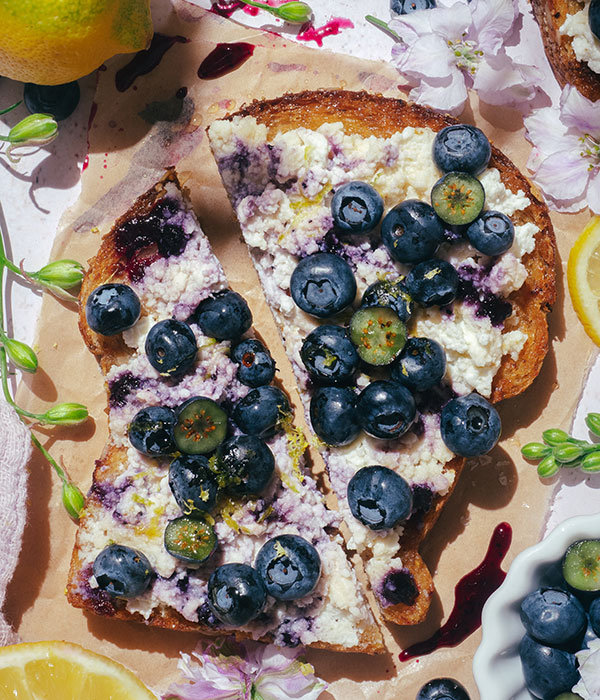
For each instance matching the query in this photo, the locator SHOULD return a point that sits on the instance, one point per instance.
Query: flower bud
(72, 499)
(592, 421)
(567, 452)
(21, 355)
(548, 467)
(294, 12)
(34, 130)
(535, 450)
(60, 273)
(554, 436)
(591, 462)
(65, 414)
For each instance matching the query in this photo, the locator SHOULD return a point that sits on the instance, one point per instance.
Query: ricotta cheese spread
(584, 43)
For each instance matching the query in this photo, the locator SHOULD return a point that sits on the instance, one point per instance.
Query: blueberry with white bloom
(255, 364)
(405, 7)
(470, 425)
(224, 316)
(386, 409)
(236, 594)
(548, 671)
(442, 689)
(553, 616)
(122, 572)
(356, 207)
(289, 566)
(323, 284)
(461, 147)
(493, 233)
(333, 415)
(412, 231)
(329, 355)
(171, 347)
(112, 308)
(379, 497)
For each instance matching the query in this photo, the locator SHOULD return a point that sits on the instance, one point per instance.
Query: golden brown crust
(550, 15)
(366, 115)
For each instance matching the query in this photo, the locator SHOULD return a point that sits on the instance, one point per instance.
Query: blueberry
(236, 594)
(442, 689)
(379, 497)
(171, 347)
(59, 101)
(548, 672)
(412, 231)
(405, 7)
(151, 431)
(461, 147)
(244, 464)
(192, 484)
(122, 571)
(458, 198)
(323, 284)
(224, 316)
(386, 409)
(261, 411)
(356, 207)
(255, 365)
(553, 616)
(329, 355)
(470, 425)
(594, 18)
(594, 613)
(289, 566)
(492, 233)
(433, 283)
(421, 364)
(112, 308)
(378, 334)
(391, 293)
(191, 540)
(333, 415)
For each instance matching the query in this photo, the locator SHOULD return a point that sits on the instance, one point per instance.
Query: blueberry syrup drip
(241, 161)
(226, 9)
(398, 587)
(224, 58)
(471, 291)
(146, 60)
(308, 32)
(100, 601)
(470, 595)
(120, 389)
(108, 494)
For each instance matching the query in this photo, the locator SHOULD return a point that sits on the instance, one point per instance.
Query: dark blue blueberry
(594, 18)
(412, 231)
(421, 364)
(461, 147)
(333, 415)
(192, 484)
(59, 101)
(244, 464)
(553, 616)
(433, 283)
(442, 689)
(236, 594)
(548, 672)
(323, 284)
(171, 347)
(594, 613)
(590, 633)
(112, 308)
(329, 355)
(151, 431)
(289, 566)
(261, 411)
(356, 207)
(405, 7)
(492, 233)
(379, 497)
(255, 365)
(391, 293)
(470, 425)
(122, 571)
(399, 586)
(386, 409)
(224, 316)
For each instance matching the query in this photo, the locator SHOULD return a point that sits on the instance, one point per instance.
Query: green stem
(380, 24)
(8, 109)
(260, 5)
(57, 468)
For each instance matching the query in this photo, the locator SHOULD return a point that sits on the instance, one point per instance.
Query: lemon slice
(583, 277)
(64, 671)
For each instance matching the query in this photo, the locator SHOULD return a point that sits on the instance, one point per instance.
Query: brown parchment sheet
(130, 145)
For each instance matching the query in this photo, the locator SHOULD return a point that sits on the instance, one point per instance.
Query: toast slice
(572, 50)
(159, 250)
(280, 161)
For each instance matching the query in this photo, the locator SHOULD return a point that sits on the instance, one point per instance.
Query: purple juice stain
(224, 58)
(146, 60)
(399, 587)
(120, 389)
(487, 304)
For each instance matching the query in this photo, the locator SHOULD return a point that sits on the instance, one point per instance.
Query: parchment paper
(127, 154)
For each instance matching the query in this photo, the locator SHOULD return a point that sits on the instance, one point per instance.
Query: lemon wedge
(63, 671)
(583, 277)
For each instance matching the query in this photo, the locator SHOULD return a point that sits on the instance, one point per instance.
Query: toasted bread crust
(568, 69)
(366, 115)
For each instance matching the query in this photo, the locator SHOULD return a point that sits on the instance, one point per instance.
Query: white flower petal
(492, 21)
(428, 57)
(579, 113)
(546, 132)
(499, 81)
(447, 22)
(589, 671)
(563, 175)
(448, 95)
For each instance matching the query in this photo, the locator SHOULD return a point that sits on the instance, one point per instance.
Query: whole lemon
(49, 42)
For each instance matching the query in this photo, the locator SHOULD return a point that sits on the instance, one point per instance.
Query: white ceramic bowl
(496, 665)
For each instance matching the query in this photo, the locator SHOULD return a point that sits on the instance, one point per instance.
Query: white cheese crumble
(585, 45)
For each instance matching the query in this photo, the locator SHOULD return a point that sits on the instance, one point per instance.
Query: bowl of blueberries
(541, 628)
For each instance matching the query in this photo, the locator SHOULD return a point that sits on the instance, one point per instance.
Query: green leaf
(591, 462)
(548, 467)
(67, 413)
(72, 499)
(554, 436)
(21, 355)
(592, 420)
(535, 450)
(567, 452)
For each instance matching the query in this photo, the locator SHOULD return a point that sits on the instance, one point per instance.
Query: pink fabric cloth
(15, 449)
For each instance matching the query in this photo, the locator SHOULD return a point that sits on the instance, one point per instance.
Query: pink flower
(459, 45)
(565, 160)
(246, 671)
